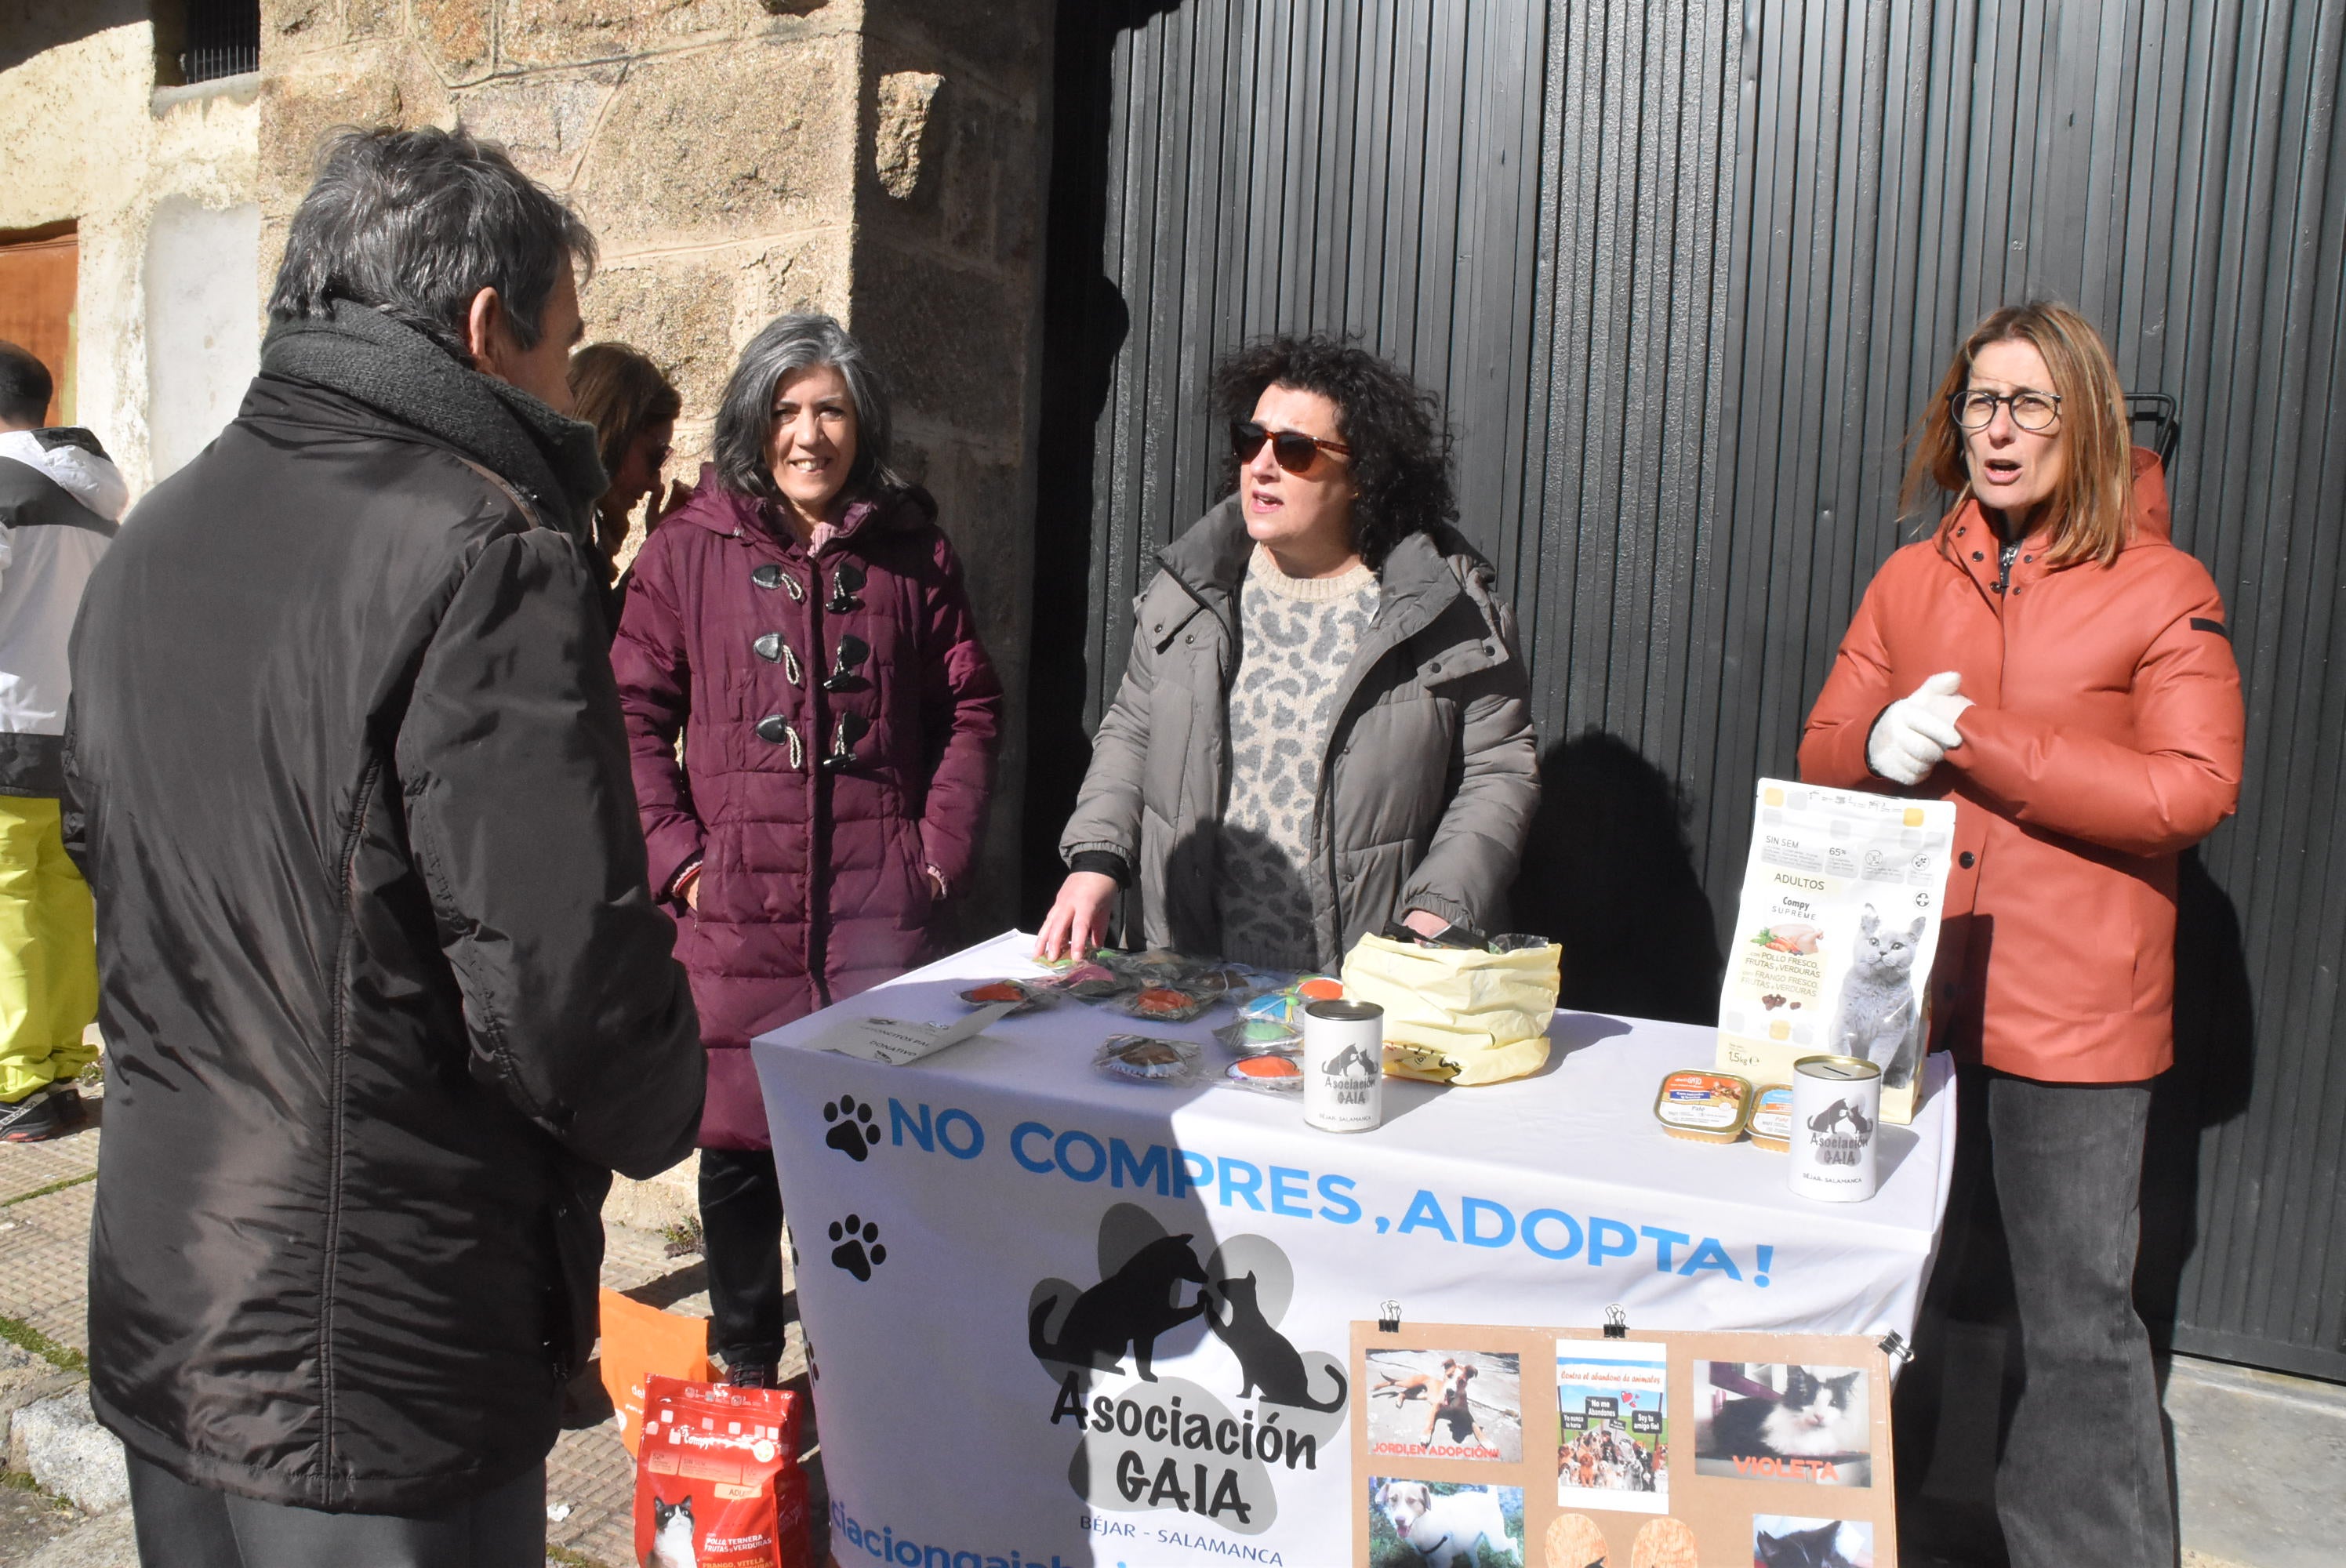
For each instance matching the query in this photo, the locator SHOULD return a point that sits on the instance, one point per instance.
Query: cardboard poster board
(1475, 1444)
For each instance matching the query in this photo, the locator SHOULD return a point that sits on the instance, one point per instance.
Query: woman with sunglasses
(2051, 663)
(1323, 724)
(800, 622)
(633, 410)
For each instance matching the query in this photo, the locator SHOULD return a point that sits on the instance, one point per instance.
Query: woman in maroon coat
(801, 622)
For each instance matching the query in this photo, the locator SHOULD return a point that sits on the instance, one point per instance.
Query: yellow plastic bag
(1458, 1015)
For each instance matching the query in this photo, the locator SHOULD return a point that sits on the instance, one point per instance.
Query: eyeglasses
(2034, 412)
(1291, 449)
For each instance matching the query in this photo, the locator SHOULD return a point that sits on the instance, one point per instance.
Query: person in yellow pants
(61, 498)
(48, 974)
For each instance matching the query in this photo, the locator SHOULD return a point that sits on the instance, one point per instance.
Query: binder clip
(1894, 1345)
(1617, 1322)
(1389, 1316)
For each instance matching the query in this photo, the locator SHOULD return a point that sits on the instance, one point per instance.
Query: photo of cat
(1780, 1541)
(1772, 1421)
(672, 1545)
(1878, 1020)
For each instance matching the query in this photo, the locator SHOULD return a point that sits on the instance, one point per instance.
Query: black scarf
(363, 353)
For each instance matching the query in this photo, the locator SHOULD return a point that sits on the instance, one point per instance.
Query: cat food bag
(1834, 936)
(717, 1482)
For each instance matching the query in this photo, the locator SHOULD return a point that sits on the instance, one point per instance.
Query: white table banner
(1058, 1319)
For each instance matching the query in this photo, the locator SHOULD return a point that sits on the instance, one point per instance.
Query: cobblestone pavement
(46, 1191)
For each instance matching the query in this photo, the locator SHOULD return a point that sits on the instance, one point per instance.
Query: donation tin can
(1344, 1066)
(1836, 1112)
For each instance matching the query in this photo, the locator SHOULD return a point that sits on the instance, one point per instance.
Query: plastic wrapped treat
(1164, 1004)
(1027, 994)
(1086, 981)
(1248, 1036)
(1266, 1075)
(1144, 1059)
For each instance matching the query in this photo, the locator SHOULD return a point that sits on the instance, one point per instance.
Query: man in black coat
(385, 997)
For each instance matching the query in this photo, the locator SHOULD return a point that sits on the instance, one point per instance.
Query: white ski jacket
(60, 499)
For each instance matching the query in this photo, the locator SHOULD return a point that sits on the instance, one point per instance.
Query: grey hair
(745, 418)
(414, 223)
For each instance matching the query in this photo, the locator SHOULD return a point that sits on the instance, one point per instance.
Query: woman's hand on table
(1078, 919)
(1424, 923)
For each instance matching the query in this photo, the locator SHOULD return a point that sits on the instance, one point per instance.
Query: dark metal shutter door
(1759, 230)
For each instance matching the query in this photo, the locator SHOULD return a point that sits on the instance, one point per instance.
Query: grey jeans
(184, 1526)
(2083, 1483)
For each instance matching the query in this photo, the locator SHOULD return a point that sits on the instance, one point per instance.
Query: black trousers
(2083, 1480)
(741, 1241)
(184, 1526)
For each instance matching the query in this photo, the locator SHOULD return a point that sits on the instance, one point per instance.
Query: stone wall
(946, 286)
(882, 161)
(91, 138)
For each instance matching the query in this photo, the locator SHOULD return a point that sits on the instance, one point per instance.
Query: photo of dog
(1445, 1404)
(1442, 1524)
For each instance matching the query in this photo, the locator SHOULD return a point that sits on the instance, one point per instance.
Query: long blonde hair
(2092, 506)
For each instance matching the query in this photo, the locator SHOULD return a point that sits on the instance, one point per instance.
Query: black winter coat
(385, 996)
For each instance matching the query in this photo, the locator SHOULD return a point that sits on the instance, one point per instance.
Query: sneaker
(49, 1112)
(752, 1374)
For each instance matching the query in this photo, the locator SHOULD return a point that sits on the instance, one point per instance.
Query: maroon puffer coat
(814, 787)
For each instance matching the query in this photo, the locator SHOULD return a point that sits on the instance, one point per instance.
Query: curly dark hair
(1401, 446)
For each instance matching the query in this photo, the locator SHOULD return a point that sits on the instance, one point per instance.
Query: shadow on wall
(30, 30)
(1609, 873)
(1084, 323)
(2215, 1066)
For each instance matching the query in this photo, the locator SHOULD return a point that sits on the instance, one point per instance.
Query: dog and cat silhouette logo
(1837, 1133)
(1151, 1440)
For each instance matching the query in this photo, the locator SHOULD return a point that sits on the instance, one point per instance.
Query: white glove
(1915, 732)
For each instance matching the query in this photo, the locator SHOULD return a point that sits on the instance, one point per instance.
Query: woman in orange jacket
(2049, 661)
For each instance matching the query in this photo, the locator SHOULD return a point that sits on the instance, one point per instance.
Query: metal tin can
(1344, 1066)
(1703, 1106)
(1836, 1113)
(1771, 1118)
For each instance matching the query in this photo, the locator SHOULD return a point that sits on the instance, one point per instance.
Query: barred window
(204, 40)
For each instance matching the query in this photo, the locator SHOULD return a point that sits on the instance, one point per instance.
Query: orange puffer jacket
(2105, 739)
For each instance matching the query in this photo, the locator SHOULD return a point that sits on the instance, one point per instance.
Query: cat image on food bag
(671, 1535)
(1879, 1021)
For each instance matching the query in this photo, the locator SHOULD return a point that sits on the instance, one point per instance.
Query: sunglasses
(1291, 449)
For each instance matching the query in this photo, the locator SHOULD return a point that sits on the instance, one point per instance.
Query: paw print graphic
(858, 1250)
(852, 1131)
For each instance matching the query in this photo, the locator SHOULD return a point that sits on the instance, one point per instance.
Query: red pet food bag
(717, 1483)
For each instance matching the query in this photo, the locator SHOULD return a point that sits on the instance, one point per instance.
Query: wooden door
(38, 273)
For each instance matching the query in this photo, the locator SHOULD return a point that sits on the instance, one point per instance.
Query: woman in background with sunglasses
(633, 410)
(2049, 662)
(801, 623)
(1323, 724)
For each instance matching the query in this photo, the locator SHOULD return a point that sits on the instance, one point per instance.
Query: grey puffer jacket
(1431, 773)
